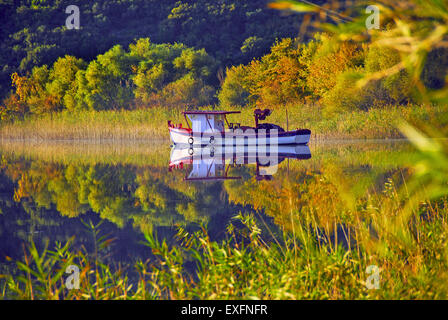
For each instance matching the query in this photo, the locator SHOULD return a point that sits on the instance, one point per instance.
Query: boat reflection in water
(213, 162)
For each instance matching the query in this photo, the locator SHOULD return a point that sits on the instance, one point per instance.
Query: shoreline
(118, 141)
(128, 136)
(165, 141)
(157, 152)
(151, 124)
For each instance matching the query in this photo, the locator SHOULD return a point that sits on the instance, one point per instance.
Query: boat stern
(303, 136)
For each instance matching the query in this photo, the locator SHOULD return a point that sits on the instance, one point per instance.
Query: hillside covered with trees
(169, 55)
(34, 32)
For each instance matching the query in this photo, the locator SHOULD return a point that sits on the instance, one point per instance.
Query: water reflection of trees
(322, 191)
(324, 197)
(145, 195)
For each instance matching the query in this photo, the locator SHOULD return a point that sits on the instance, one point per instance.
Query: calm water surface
(48, 190)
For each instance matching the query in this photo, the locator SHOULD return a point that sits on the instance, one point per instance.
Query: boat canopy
(207, 121)
(210, 112)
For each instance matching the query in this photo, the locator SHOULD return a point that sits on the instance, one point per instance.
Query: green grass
(151, 124)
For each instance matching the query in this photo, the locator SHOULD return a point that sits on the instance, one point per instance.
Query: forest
(34, 33)
(172, 55)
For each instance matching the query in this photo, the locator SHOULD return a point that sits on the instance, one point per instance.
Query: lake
(50, 192)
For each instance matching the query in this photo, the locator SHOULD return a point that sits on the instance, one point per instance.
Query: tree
(106, 84)
(392, 89)
(233, 91)
(329, 62)
(276, 79)
(62, 80)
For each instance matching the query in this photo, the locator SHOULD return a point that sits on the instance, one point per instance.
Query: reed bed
(151, 124)
(148, 124)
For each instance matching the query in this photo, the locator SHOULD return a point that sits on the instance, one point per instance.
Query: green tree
(233, 91)
(391, 89)
(62, 80)
(107, 83)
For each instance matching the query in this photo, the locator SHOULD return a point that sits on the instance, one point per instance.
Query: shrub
(329, 62)
(392, 89)
(233, 92)
(346, 95)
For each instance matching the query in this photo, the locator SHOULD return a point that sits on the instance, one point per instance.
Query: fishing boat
(211, 163)
(212, 127)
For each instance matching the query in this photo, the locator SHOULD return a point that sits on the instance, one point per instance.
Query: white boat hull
(182, 136)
